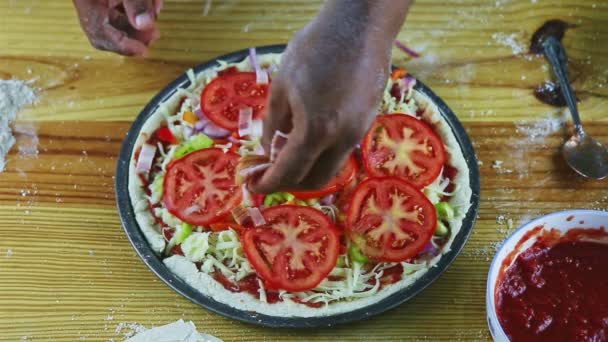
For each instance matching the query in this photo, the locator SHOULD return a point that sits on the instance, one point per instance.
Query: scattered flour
(9, 253)
(541, 129)
(28, 145)
(505, 225)
(497, 165)
(178, 331)
(509, 40)
(14, 94)
(129, 329)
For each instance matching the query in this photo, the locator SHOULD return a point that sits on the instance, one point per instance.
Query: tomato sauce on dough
(556, 290)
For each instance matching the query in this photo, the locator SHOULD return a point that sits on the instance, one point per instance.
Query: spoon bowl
(586, 156)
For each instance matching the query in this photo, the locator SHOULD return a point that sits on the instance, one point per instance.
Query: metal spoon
(584, 154)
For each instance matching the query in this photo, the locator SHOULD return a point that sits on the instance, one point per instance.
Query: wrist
(370, 21)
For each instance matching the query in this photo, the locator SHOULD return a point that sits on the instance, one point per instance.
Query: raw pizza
(377, 226)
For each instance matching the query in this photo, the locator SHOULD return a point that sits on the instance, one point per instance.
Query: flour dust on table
(14, 95)
(178, 331)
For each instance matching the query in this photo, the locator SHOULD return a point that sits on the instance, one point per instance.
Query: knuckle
(139, 5)
(98, 44)
(319, 130)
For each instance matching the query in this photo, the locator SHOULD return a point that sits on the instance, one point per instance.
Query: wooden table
(67, 272)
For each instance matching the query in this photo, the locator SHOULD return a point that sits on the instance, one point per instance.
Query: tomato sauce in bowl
(549, 280)
(556, 290)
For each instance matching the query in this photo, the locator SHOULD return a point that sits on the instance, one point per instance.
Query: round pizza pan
(154, 262)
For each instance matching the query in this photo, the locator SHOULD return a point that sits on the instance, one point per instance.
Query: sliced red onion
(199, 113)
(241, 215)
(261, 76)
(410, 82)
(249, 165)
(278, 142)
(403, 86)
(213, 131)
(257, 128)
(431, 249)
(250, 171)
(256, 217)
(247, 199)
(328, 200)
(253, 60)
(245, 121)
(146, 158)
(272, 68)
(202, 120)
(187, 131)
(199, 126)
(192, 209)
(405, 49)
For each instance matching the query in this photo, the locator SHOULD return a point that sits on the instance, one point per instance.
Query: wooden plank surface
(67, 271)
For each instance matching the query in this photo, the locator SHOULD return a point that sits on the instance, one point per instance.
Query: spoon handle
(554, 52)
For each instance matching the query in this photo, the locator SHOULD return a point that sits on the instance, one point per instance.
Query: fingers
(305, 162)
(291, 166)
(297, 156)
(109, 29)
(120, 21)
(299, 153)
(325, 168)
(278, 114)
(147, 37)
(112, 39)
(141, 13)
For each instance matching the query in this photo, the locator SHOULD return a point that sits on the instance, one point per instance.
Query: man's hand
(127, 27)
(327, 91)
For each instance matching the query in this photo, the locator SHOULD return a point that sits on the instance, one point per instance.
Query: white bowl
(563, 221)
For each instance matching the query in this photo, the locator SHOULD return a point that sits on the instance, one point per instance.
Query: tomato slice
(295, 250)
(258, 199)
(389, 219)
(223, 97)
(343, 178)
(401, 145)
(199, 188)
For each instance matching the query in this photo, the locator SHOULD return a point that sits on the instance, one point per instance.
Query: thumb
(141, 13)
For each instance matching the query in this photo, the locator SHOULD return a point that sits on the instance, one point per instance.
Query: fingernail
(159, 6)
(143, 21)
